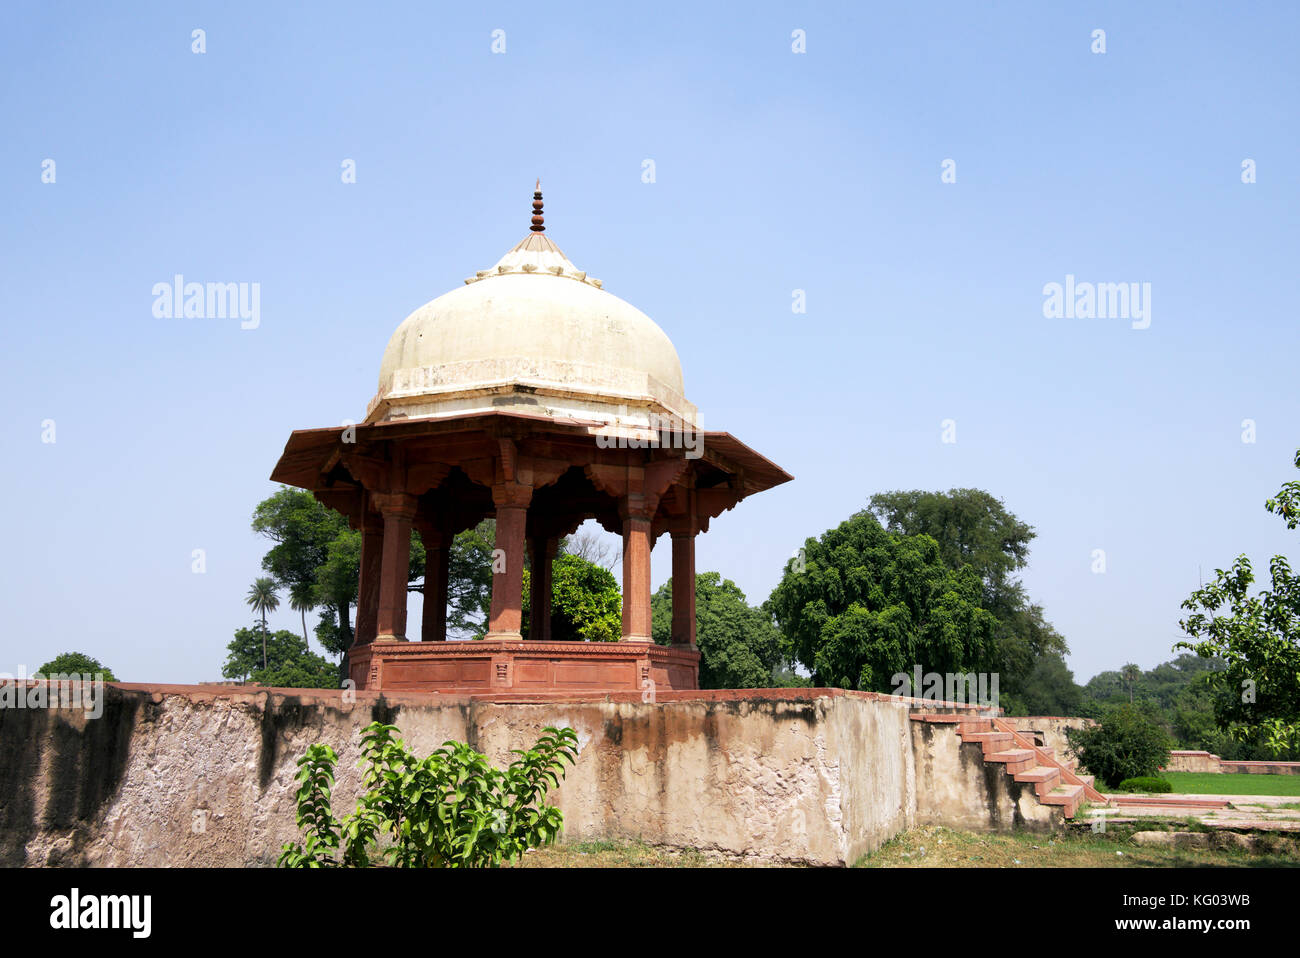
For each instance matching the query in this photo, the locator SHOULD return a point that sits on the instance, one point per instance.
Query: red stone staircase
(1022, 758)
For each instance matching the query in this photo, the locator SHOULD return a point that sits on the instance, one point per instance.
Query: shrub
(1127, 744)
(450, 810)
(1144, 783)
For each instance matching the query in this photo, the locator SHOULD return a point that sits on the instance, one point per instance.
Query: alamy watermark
(181, 300)
(965, 688)
(61, 690)
(666, 432)
(1074, 300)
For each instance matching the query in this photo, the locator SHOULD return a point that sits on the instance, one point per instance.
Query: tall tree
(302, 599)
(315, 547)
(740, 646)
(263, 599)
(1131, 674)
(975, 529)
(1259, 638)
(867, 604)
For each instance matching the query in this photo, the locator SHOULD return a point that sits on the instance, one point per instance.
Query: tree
(1131, 674)
(76, 663)
(586, 604)
(469, 581)
(868, 604)
(288, 661)
(1128, 743)
(1258, 636)
(315, 547)
(740, 646)
(594, 548)
(262, 599)
(971, 527)
(974, 529)
(302, 599)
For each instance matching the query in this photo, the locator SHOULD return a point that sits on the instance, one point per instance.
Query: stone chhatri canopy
(534, 397)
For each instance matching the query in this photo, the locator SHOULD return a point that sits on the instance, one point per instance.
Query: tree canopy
(586, 603)
(289, 663)
(975, 530)
(76, 663)
(868, 604)
(740, 646)
(1257, 636)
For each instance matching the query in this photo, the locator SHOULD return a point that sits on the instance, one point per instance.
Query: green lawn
(1209, 783)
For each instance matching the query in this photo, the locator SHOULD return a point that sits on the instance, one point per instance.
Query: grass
(610, 854)
(938, 847)
(1236, 783)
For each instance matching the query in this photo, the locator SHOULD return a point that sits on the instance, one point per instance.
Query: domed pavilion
(532, 396)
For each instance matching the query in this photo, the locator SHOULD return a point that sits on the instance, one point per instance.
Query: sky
(920, 171)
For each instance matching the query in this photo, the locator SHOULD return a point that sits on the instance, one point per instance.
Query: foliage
(316, 549)
(1129, 742)
(1144, 783)
(740, 646)
(450, 810)
(586, 603)
(469, 581)
(76, 663)
(973, 528)
(869, 604)
(1258, 636)
(289, 663)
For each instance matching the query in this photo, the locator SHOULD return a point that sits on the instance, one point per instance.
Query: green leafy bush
(450, 810)
(1128, 743)
(1144, 783)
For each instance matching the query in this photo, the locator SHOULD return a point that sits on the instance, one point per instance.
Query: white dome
(533, 332)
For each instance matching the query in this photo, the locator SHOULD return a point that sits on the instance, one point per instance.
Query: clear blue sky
(775, 171)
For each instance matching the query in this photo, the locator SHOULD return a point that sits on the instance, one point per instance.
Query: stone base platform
(512, 667)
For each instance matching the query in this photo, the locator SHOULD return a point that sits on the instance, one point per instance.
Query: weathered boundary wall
(188, 775)
(1192, 761)
(204, 775)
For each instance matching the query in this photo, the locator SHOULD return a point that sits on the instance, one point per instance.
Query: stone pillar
(437, 544)
(541, 552)
(684, 588)
(636, 569)
(372, 548)
(398, 509)
(508, 556)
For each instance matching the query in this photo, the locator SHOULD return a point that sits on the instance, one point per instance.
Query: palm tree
(302, 598)
(262, 598)
(1131, 674)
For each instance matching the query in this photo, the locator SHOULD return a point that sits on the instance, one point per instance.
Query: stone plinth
(505, 666)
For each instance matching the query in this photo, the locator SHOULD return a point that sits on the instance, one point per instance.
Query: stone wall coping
(334, 697)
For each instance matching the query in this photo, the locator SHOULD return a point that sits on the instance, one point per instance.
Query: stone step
(1067, 795)
(936, 717)
(1015, 759)
(1044, 779)
(991, 741)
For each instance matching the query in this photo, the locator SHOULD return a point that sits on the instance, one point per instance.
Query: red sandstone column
(433, 625)
(398, 509)
(508, 584)
(372, 547)
(541, 552)
(684, 589)
(636, 570)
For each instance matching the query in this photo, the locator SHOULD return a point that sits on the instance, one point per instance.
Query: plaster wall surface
(204, 775)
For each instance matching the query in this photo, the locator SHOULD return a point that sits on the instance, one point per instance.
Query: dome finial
(538, 226)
